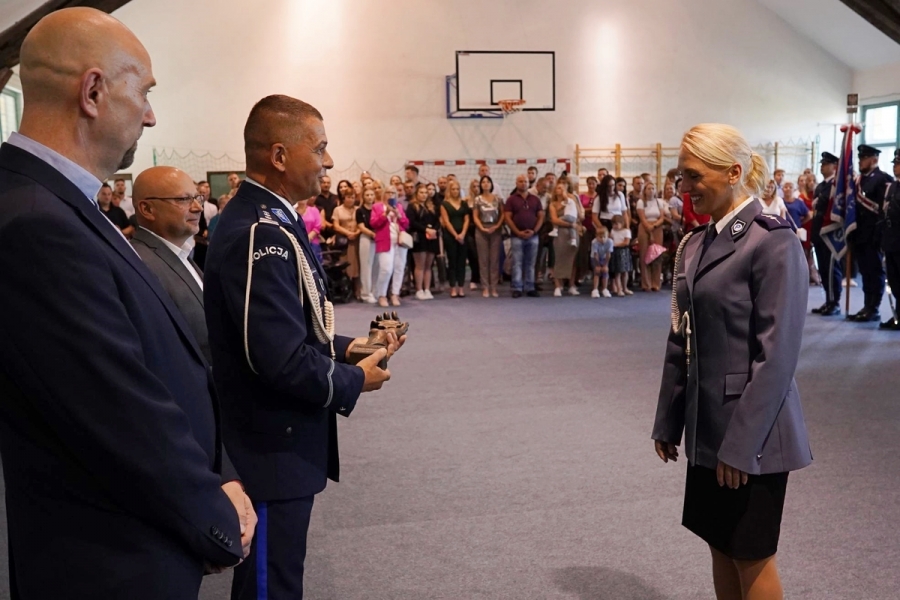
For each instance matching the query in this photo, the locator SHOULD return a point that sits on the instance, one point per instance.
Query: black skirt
(743, 524)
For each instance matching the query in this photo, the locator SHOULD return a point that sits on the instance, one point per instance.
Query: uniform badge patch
(281, 216)
(265, 251)
(737, 227)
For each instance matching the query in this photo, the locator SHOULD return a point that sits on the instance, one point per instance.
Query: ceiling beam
(882, 14)
(11, 39)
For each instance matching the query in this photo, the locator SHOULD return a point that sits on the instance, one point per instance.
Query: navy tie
(711, 233)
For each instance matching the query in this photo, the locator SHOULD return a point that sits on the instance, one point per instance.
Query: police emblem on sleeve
(265, 251)
(281, 216)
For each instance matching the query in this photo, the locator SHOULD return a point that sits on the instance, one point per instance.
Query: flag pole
(852, 108)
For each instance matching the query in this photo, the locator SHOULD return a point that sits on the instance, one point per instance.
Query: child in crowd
(601, 251)
(621, 258)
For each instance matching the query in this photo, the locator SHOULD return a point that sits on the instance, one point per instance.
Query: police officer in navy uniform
(890, 243)
(829, 269)
(865, 240)
(282, 373)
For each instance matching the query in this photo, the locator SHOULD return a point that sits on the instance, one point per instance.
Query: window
(882, 130)
(10, 109)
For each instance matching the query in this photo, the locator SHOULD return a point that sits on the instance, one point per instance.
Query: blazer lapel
(692, 259)
(723, 246)
(24, 163)
(170, 259)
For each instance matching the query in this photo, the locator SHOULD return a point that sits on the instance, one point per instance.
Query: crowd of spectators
(410, 237)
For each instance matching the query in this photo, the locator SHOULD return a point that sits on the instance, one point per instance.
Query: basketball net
(510, 107)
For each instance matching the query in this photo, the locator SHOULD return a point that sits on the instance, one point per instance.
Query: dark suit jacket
(279, 416)
(108, 425)
(177, 281)
(737, 400)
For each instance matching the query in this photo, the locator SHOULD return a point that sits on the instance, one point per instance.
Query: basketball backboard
(485, 76)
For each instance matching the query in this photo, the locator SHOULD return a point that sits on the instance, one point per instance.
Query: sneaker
(370, 299)
(553, 233)
(573, 291)
(606, 294)
(595, 294)
(428, 295)
(420, 295)
(852, 283)
(557, 293)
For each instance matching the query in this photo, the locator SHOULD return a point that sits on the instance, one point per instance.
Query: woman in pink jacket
(387, 221)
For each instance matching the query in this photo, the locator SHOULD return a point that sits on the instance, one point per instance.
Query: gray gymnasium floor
(510, 459)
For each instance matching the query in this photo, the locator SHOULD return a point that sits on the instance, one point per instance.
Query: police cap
(896, 160)
(867, 151)
(829, 159)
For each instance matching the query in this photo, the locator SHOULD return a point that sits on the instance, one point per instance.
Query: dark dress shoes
(516, 294)
(866, 315)
(533, 294)
(890, 325)
(820, 310)
(830, 310)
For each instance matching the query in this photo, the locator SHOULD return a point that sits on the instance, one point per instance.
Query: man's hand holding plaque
(386, 335)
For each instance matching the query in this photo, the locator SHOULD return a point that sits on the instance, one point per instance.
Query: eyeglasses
(182, 202)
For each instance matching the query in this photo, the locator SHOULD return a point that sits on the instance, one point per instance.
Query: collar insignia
(281, 216)
(737, 227)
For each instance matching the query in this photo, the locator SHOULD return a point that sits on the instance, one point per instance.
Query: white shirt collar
(723, 223)
(83, 180)
(182, 252)
(284, 201)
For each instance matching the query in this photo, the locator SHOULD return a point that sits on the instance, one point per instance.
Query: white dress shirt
(183, 253)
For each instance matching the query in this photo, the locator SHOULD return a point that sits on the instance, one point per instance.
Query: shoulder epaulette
(772, 222)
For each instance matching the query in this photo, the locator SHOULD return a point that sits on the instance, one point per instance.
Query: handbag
(405, 240)
(653, 253)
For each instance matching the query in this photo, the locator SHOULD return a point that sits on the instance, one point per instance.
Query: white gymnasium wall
(636, 72)
(877, 85)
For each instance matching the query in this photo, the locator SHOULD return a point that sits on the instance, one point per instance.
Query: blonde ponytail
(755, 179)
(720, 146)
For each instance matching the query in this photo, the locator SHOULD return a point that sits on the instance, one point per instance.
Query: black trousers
(892, 263)
(830, 271)
(456, 261)
(868, 256)
(274, 569)
(472, 255)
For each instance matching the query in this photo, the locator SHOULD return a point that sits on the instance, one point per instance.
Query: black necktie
(711, 233)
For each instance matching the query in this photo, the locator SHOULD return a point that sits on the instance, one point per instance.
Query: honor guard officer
(890, 243)
(281, 370)
(829, 269)
(865, 240)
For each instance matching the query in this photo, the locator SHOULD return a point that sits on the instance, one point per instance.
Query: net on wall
(197, 163)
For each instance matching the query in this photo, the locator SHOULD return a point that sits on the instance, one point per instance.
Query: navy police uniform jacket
(280, 422)
(873, 186)
(890, 239)
(108, 421)
(820, 206)
(728, 379)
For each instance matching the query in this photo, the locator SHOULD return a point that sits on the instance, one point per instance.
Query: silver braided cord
(323, 312)
(681, 322)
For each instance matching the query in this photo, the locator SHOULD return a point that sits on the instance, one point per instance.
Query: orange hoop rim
(511, 106)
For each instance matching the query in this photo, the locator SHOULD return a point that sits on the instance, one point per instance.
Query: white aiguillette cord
(681, 322)
(323, 312)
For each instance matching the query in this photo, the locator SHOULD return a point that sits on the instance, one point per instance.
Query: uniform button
(759, 457)
(228, 543)
(214, 530)
(289, 430)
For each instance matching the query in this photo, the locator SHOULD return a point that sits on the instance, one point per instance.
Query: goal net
(503, 171)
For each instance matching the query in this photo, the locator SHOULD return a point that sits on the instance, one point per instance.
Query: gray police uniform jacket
(728, 379)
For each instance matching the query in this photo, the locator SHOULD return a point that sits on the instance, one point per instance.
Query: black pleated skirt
(743, 524)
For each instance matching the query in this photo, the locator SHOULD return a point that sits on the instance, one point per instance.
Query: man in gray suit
(167, 208)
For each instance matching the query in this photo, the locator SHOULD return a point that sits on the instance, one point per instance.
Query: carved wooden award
(380, 327)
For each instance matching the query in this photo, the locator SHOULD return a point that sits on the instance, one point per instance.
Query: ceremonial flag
(840, 219)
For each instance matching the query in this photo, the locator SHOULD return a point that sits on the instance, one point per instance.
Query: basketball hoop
(510, 106)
